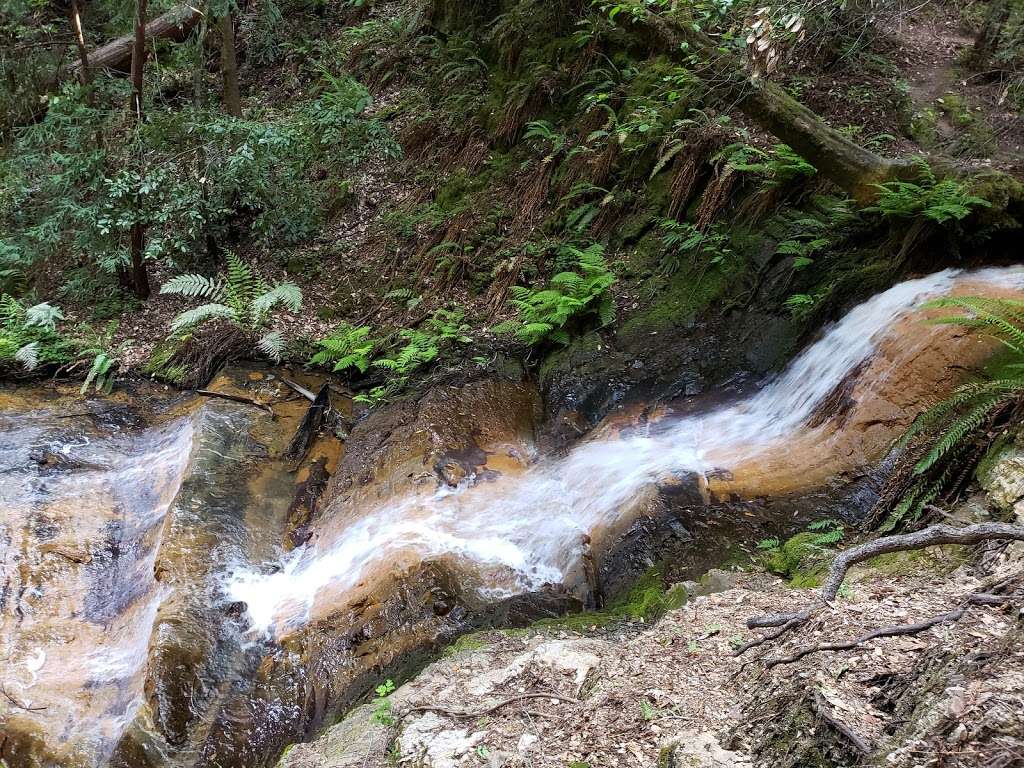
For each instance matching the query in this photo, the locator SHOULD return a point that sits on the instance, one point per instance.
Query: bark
(229, 66)
(846, 164)
(175, 25)
(140, 280)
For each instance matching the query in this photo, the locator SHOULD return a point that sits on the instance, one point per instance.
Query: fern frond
(287, 294)
(202, 314)
(194, 286)
(43, 316)
(272, 345)
(28, 356)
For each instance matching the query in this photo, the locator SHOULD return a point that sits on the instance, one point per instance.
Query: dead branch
(14, 702)
(236, 399)
(319, 408)
(824, 711)
(901, 630)
(175, 25)
(474, 713)
(931, 536)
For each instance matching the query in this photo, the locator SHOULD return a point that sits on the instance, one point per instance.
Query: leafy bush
(571, 297)
(942, 438)
(240, 298)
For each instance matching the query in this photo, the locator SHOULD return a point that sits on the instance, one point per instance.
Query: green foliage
(945, 433)
(382, 704)
(28, 335)
(778, 167)
(942, 202)
(802, 558)
(239, 298)
(570, 298)
(683, 239)
(346, 347)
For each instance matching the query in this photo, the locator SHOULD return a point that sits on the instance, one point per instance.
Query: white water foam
(534, 524)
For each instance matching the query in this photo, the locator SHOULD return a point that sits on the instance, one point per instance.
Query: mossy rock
(649, 599)
(800, 560)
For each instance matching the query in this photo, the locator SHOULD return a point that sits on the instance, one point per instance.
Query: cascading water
(80, 518)
(520, 532)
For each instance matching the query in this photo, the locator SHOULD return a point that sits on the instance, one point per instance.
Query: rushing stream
(143, 583)
(527, 530)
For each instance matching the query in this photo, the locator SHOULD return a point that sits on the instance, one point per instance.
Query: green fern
(29, 337)
(346, 347)
(571, 297)
(942, 202)
(239, 298)
(944, 434)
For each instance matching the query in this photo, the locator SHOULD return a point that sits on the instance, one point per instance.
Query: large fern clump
(941, 202)
(946, 441)
(238, 297)
(571, 296)
(29, 336)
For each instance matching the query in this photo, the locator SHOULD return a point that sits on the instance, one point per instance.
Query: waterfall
(81, 513)
(526, 530)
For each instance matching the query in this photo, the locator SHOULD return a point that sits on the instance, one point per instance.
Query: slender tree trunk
(140, 280)
(84, 73)
(229, 65)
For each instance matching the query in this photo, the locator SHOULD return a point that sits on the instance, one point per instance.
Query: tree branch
(849, 166)
(931, 536)
(900, 630)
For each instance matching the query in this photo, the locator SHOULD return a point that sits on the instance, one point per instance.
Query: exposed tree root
(927, 537)
(474, 713)
(901, 630)
(824, 711)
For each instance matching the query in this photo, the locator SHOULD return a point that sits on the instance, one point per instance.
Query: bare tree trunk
(846, 164)
(229, 65)
(84, 73)
(140, 280)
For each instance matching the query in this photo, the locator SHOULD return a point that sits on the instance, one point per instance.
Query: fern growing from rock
(241, 299)
(944, 439)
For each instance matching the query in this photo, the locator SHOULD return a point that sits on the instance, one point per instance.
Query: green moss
(680, 298)
(470, 642)
(647, 600)
(935, 559)
(800, 560)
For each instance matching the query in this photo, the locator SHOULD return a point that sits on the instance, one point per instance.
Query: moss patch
(647, 600)
(800, 560)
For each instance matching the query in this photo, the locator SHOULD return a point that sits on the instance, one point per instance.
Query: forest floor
(675, 694)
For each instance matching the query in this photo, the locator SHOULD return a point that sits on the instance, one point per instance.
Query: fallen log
(175, 25)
